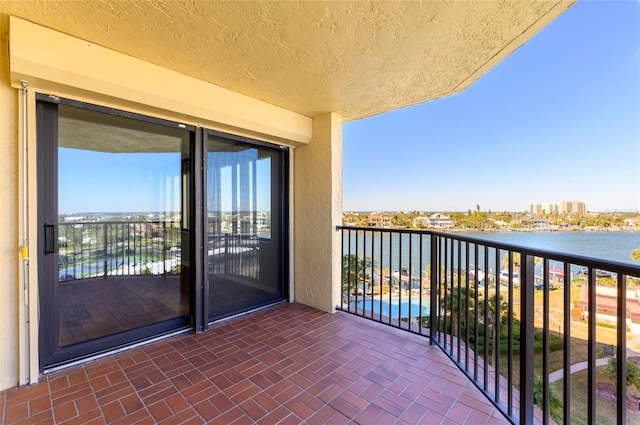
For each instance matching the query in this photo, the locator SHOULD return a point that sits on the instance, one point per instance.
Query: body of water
(610, 246)
(393, 252)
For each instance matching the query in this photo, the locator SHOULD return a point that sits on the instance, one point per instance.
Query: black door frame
(50, 354)
(283, 218)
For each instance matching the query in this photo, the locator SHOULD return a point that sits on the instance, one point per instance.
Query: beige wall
(318, 210)
(9, 238)
(62, 65)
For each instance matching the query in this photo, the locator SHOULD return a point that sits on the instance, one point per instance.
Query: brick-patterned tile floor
(287, 364)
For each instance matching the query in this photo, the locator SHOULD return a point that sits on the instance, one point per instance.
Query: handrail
(489, 310)
(90, 249)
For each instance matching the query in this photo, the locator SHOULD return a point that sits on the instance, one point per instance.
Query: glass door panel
(244, 225)
(116, 231)
(120, 228)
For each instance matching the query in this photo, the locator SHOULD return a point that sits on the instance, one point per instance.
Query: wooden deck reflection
(96, 307)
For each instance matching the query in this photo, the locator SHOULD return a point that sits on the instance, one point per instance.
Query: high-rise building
(573, 207)
(544, 208)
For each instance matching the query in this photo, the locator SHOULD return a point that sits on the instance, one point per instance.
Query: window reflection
(123, 198)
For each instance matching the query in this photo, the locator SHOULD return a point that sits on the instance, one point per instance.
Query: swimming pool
(396, 306)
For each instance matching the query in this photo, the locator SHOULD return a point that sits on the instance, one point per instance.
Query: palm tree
(356, 270)
(466, 302)
(495, 305)
(633, 371)
(517, 261)
(555, 402)
(426, 280)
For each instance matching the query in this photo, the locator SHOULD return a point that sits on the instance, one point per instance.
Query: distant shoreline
(564, 230)
(494, 230)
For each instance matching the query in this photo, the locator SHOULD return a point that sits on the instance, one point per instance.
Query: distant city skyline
(558, 119)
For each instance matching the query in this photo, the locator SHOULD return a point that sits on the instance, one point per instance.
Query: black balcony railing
(100, 249)
(513, 319)
(134, 248)
(234, 254)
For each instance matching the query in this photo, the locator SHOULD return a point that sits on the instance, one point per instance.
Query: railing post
(226, 254)
(566, 355)
(104, 251)
(621, 354)
(526, 338)
(591, 348)
(433, 288)
(164, 247)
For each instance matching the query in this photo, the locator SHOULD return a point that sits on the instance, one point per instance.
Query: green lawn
(605, 410)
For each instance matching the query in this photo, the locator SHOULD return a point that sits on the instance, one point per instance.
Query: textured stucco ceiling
(353, 58)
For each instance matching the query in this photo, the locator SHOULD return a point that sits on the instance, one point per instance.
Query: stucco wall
(9, 281)
(318, 210)
(66, 66)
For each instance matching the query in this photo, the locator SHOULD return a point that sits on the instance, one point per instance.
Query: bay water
(610, 246)
(392, 251)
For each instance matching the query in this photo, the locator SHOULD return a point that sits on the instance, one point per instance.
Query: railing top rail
(386, 230)
(71, 223)
(624, 268)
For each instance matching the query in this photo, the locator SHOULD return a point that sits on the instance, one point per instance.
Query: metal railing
(134, 248)
(233, 254)
(111, 248)
(493, 309)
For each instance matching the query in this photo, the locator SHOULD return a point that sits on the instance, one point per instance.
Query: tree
(517, 261)
(458, 295)
(635, 254)
(633, 371)
(356, 270)
(495, 305)
(555, 402)
(426, 280)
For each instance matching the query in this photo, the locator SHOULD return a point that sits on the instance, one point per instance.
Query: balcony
(516, 321)
(285, 364)
(432, 328)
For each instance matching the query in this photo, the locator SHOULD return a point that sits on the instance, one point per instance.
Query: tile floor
(287, 364)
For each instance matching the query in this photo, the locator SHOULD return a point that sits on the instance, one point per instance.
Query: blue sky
(91, 181)
(559, 119)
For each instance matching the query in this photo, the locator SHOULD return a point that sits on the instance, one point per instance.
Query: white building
(437, 220)
(535, 223)
(440, 220)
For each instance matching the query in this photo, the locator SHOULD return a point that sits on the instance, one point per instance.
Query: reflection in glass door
(114, 208)
(246, 229)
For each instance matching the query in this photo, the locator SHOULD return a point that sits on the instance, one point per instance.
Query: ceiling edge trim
(554, 12)
(50, 60)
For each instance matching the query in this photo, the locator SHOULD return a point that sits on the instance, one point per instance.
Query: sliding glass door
(114, 229)
(246, 224)
(147, 226)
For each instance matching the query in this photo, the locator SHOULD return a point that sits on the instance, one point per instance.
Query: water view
(611, 246)
(395, 253)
